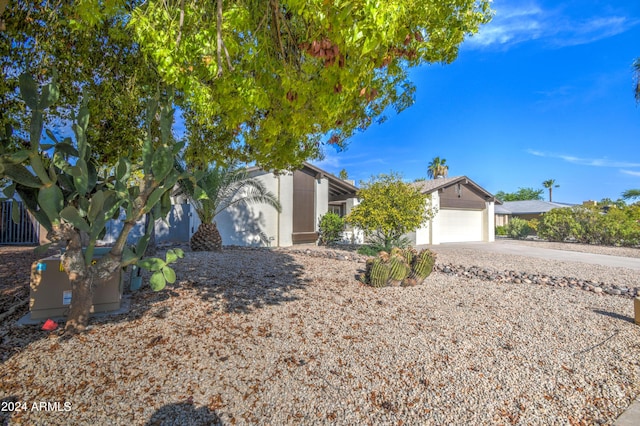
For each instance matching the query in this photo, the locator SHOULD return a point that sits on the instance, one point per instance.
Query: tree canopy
(101, 63)
(265, 81)
(388, 209)
(521, 194)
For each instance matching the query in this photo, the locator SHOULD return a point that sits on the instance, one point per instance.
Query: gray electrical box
(50, 293)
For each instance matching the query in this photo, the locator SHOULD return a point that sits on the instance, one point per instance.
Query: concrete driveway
(514, 247)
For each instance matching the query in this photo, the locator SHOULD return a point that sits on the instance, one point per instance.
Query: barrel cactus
(398, 269)
(378, 272)
(423, 265)
(404, 267)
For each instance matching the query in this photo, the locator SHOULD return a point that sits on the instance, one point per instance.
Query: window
(337, 209)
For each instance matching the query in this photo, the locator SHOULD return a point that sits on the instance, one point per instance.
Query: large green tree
(388, 209)
(273, 81)
(100, 62)
(241, 69)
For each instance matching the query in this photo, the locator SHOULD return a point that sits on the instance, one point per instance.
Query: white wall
(428, 233)
(351, 234)
(285, 224)
(253, 224)
(322, 200)
(489, 234)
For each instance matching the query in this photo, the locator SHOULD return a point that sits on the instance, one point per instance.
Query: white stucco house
(305, 195)
(464, 212)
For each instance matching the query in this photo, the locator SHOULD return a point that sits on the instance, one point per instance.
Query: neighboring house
(305, 195)
(527, 210)
(465, 212)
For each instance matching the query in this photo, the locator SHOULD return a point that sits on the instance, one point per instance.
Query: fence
(26, 231)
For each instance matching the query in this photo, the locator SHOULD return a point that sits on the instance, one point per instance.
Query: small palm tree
(437, 167)
(216, 189)
(550, 184)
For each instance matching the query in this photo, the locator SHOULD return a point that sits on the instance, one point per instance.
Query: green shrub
(558, 225)
(590, 225)
(370, 250)
(501, 230)
(518, 228)
(331, 226)
(588, 221)
(375, 245)
(619, 227)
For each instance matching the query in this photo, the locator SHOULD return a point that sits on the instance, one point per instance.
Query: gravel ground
(277, 337)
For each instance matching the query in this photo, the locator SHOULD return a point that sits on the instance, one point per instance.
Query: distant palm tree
(550, 184)
(217, 189)
(631, 194)
(437, 167)
(636, 72)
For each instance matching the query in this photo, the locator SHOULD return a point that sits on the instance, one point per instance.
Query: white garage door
(460, 225)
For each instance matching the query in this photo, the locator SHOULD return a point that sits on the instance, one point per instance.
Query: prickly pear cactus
(63, 189)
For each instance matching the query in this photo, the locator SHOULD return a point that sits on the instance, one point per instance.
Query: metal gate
(26, 231)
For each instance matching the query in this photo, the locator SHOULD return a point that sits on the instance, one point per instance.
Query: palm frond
(631, 194)
(224, 187)
(636, 72)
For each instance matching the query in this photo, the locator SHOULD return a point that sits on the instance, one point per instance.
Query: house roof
(429, 186)
(528, 207)
(338, 189)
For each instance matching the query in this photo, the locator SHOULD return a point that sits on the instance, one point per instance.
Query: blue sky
(545, 91)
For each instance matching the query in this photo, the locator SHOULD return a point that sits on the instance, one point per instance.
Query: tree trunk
(81, 301)
(80, 277)
(206, 238)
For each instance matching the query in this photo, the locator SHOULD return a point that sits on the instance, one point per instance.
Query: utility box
(50, 293)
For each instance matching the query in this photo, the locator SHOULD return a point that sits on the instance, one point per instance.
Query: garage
(465, 212)
(460, 225)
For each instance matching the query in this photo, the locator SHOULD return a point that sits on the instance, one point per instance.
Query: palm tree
(636, 72)
(550, 184)
(631, 194)
(437, 168)
(216, 189)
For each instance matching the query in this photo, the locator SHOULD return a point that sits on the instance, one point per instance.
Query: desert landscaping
(289, 336)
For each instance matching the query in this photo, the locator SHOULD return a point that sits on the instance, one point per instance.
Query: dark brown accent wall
(304, 196)
(461, 196)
